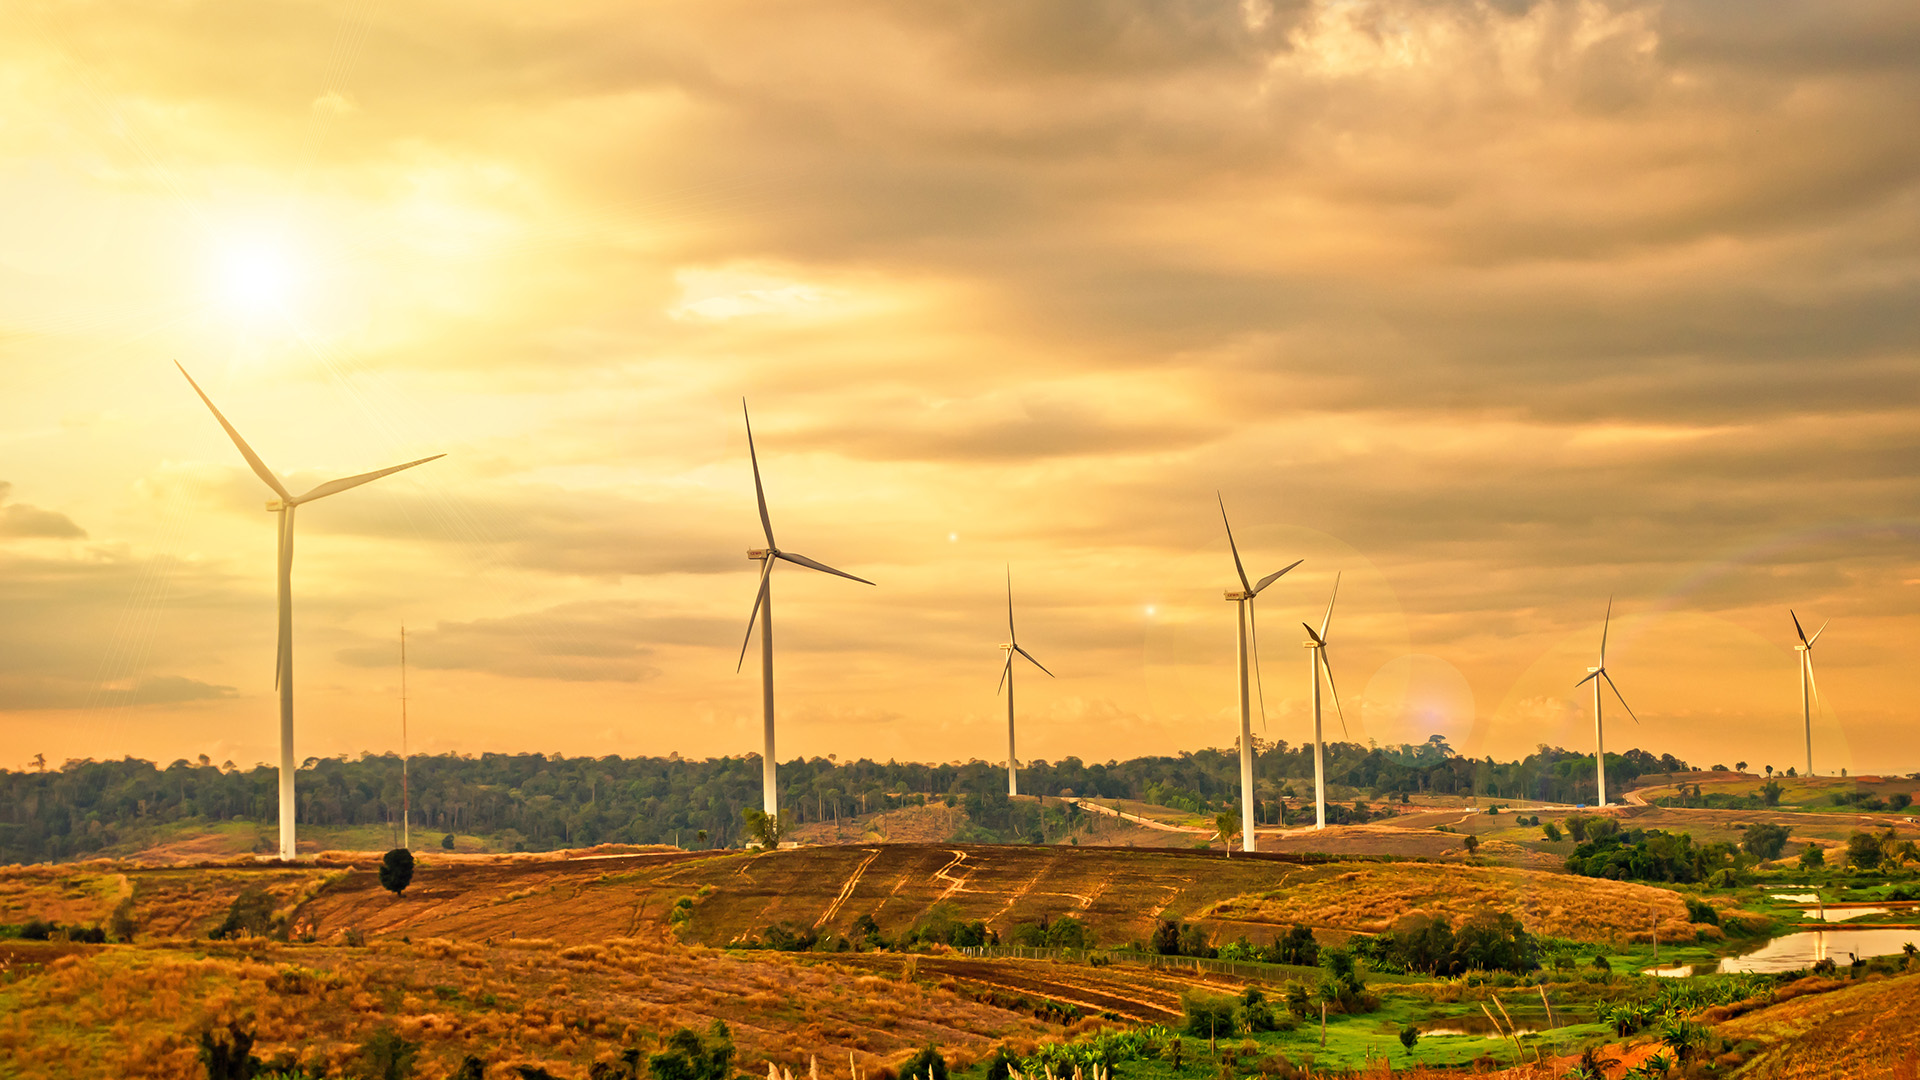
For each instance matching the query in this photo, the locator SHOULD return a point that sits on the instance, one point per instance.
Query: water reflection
(1791, 952)
(1842, 914)
(1680, 972)
(1795, 897)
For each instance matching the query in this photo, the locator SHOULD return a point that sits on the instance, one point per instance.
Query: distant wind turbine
(1006, 679)
(1809, 690)
(1243, 597)
(284, 505)
(763, 615)
(1594, 676)
(1318, 643)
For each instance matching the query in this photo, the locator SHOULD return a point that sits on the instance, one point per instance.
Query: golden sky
(1498, 309)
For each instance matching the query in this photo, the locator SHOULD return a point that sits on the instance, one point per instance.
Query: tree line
(541, 802)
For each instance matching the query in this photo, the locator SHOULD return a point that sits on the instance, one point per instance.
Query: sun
(256, 278)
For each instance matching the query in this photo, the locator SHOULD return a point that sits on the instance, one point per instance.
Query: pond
(1795, 897)
(1680, 972)
(1791, 952)
(1832, 913)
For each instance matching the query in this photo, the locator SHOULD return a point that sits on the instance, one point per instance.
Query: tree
(1551, 831)
(396, 870)
(1473, 844)
(763, 828)
(1863, 850)
(1209, 1016)
(1166, 937)
(1771, 792)
(227, 1053)
(1228, 823)
(1769, 769)
(1765, 842)
(1740, 765)
(1812, 857)
(446, 842)
(688, 1056)
(1409, 1035)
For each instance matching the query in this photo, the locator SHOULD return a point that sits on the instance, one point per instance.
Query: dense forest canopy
(542, 802)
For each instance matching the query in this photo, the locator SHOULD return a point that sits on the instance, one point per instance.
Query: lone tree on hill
(1473, 844)
(1228, 823)
(396, 870)
(764, 828)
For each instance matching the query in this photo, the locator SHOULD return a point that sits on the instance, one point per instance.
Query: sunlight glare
(256, 278)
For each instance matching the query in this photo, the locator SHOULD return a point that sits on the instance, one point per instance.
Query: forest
(541, 802)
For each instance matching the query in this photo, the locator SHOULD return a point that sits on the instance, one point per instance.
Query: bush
(446, 842)
(386, 1056)
(251, 912)
(227, 1053)
(927, 1064)
(1551, 831)
(1209, 1016)
(688, 1056)
(396, 871)
(1765, 841)
(1699, 911)
(1255, 1013)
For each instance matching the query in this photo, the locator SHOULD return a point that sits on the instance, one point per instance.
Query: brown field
(1866, 1029)
(119, 1011)
(1371, 899)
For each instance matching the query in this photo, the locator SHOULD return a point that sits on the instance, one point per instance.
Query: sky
(1499, 311)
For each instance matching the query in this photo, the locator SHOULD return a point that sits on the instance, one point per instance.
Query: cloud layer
(1498, 308)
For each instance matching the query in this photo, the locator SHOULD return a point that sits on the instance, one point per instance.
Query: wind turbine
(283, 505)
(763, 614)
(1243, 598)
(1594, 676)
(1318, 643)
(1006, 679)
(1809, 690)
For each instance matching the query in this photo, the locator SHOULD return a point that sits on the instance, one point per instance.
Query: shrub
(1551, 831)
(1255, 1013)
(926, 1064)
(396, 871)
(1209, 1016)
(227, 1053)
(689, 1056)
(1409, 1035)
(1812, 857)
(446, 842)
(251, 912)
(385, 1055)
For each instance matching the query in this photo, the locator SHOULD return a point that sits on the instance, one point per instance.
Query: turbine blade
(1817, 633)
(759, 598)
(1616, 694)
(1314, 634)
(1586, 680)
(1273, 577)
(1604, 624)
(334, 487)
(1797, 628)
(1011, 636)
(1006, 672)
(1235, 548)
(1331, 690)
(1030, 658)
(1329, 615)
(1811, 684)
(259, 467)
(766, 523)
(820, 566)
(1254, 623)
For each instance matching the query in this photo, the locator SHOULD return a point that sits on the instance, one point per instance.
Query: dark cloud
(591, 641)
(21, 520)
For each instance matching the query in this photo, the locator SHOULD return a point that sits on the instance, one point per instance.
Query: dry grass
(1866, 1029)
(133, 1011)
(1370, 899)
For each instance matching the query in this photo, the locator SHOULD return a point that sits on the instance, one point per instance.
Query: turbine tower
(1317, 642)
(1809, 690)
(763, 615)
(1006, 679)
(1594, 676)
(283, 505)
(1243, 598)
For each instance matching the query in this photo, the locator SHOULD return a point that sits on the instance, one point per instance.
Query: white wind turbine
(1595, 675)
(1243, 597)
(1318, 645)
(763, 614)
(1809, 690)
(1006, 679)
(284, 505)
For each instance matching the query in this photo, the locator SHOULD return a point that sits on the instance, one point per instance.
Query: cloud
(21, 520)
(45, 692)
(588, 641)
